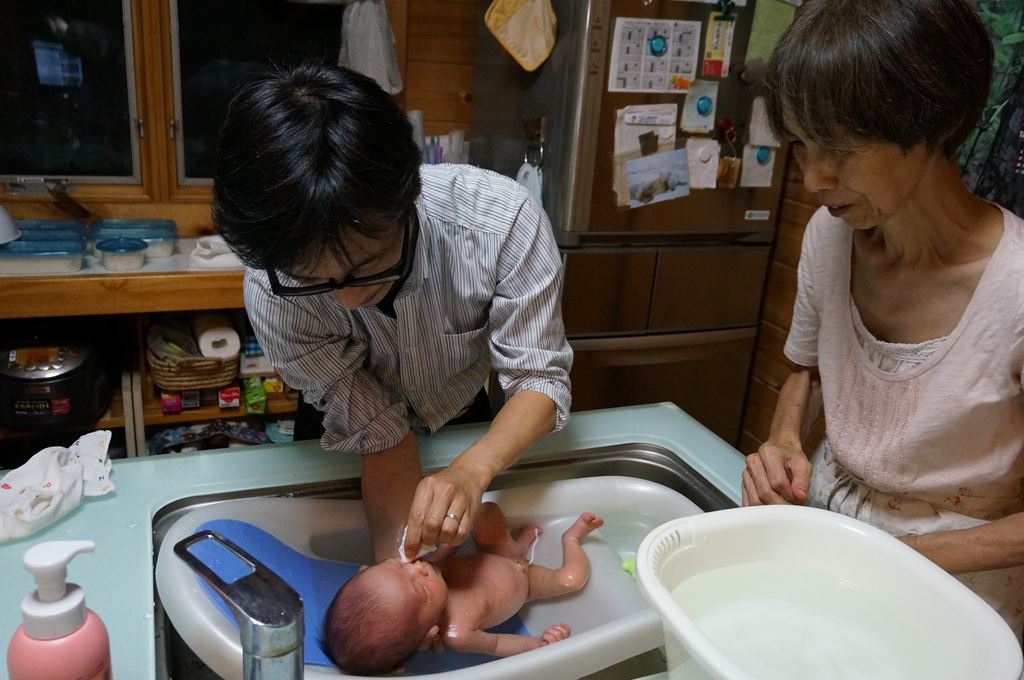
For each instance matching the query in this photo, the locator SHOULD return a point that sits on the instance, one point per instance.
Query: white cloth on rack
(212, 252)
(53, 482)
(368, 43)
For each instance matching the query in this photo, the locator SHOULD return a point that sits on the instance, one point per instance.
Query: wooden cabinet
(135, 405)
(665, 324)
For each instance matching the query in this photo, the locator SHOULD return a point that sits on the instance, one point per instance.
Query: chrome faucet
(268, 611)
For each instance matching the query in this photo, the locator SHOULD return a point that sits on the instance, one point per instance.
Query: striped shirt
(483, 292)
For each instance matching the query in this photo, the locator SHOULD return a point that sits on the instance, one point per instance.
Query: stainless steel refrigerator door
(570, 92)
(703, 211)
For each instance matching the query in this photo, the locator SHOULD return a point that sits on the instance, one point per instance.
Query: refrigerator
(663, 273)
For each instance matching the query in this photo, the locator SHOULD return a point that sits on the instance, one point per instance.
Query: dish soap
(59, 638)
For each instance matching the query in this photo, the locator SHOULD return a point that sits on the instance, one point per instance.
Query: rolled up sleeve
(529, 349)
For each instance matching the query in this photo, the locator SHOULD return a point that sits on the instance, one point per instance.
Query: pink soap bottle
(58, 639)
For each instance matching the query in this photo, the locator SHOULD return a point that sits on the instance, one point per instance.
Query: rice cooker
(49, 384)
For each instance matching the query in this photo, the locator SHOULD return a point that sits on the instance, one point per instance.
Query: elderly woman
(908, 326)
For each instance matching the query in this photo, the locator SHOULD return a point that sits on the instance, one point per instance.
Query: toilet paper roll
(215, 335)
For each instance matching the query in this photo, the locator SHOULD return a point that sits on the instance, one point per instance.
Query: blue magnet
(764, 154)
(704, 105)
(658, 45)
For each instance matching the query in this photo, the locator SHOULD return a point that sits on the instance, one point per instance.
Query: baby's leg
(491, 535)
(575, 569)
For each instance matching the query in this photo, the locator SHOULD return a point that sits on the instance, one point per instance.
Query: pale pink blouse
(923, 437)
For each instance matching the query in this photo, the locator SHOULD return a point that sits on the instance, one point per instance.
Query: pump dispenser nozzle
(55, 608)
(48, 564)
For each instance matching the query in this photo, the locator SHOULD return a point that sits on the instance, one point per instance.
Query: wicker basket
(191, 373)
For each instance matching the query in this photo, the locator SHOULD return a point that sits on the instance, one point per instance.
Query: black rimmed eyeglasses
(395, 272)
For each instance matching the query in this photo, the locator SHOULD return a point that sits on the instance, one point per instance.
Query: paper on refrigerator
(758, 166)
(760, 131)
(632, 122)
(702, 156)
(653, 55)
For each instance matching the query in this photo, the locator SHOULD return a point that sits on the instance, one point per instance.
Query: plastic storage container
(122, 254)
(51, 230)
(160, 235)
(41, 257)
(794, 592)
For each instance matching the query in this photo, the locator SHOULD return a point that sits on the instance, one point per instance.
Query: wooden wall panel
(771, 367)
(439, 66)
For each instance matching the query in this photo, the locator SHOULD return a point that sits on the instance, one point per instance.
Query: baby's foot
(554, 633)
(583, 525)
(526, 536)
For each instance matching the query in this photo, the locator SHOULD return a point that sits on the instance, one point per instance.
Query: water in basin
(811, 623)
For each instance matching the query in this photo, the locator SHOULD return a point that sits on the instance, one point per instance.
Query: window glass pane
(64, 101)
(222, 43)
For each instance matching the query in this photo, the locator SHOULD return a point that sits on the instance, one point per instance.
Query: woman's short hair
(307, 156)
(904, 71)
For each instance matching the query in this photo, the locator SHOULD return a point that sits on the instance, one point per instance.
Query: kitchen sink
(645, 462)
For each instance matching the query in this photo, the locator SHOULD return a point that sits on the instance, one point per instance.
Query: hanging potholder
(526, 28)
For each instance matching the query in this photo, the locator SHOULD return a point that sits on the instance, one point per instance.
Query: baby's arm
(502, 644)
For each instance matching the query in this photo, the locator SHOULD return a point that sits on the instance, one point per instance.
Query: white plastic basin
(795, 592)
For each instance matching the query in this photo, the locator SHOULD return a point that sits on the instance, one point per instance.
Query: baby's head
(382, 615)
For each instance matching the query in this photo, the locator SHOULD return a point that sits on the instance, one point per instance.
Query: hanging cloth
(526, 28)
(368, 43)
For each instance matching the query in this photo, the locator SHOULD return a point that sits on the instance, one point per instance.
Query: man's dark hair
(307, 156)
(906, 72)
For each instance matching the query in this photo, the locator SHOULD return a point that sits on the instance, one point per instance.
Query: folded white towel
(212, 252)
(52, 483)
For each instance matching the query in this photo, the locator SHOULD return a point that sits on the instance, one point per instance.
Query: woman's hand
(443, 509)
(778, 474)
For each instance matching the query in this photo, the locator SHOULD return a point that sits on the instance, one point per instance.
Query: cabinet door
(607, 291)
(705, 374)
(700, 288)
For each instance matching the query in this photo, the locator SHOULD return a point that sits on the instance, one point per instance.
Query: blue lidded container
(122, 254)
(41, 257)
(159, 235)
(51, 230)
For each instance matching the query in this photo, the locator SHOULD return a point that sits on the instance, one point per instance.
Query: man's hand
(443, 508)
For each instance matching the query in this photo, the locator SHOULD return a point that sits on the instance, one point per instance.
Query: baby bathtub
(610, 620)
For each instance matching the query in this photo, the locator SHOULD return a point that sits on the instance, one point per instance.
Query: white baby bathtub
(610, 620)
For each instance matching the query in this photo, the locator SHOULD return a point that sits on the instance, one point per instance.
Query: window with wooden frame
(112, 107)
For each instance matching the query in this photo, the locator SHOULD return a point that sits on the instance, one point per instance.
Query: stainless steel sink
(641, 461)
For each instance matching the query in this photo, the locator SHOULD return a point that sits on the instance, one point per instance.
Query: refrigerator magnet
(699, 107)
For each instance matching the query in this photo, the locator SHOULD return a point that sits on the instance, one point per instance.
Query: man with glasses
(386, 291)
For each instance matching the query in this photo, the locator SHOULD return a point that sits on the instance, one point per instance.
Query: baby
(388, 611)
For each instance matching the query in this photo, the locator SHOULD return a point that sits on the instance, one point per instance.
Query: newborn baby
(388, 611)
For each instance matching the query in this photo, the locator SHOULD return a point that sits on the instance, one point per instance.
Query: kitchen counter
(118, 577)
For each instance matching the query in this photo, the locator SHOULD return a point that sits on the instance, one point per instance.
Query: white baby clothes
(52, 483)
